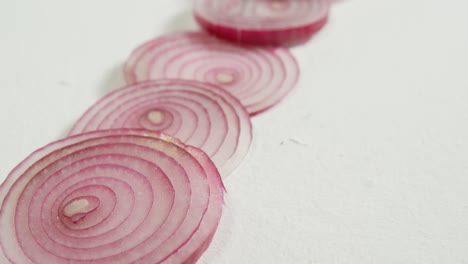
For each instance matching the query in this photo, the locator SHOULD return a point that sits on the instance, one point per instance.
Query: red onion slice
(114, 196)
(263, 22)
(258, 77)
(199, 114)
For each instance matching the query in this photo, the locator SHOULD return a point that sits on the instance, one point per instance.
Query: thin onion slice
(198, 114)
(115, 196)
(258, 77)
(263, 22)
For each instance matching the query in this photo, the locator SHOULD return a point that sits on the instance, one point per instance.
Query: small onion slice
(114, 196)
(263, 22)
(198, 114)
(258, 77)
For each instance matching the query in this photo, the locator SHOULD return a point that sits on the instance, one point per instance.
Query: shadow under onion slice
(263, 22)
(114, 196)
(258, 77)
(198, 114)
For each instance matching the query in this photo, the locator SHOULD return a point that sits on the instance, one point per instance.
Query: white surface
(367, 162)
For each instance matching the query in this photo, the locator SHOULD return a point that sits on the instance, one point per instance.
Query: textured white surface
(367, 162)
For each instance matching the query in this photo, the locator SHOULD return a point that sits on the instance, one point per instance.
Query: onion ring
(114, 196)
(263, 22)
(198, 114)
(258, 77)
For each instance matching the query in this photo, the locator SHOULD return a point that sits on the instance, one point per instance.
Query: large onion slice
(263, 22)
(199, 114)
(115, 196)
(258, 77)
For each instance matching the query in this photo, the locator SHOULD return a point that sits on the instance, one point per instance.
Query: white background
(366, 162)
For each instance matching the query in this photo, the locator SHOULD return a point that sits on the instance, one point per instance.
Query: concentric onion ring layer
(116, 196)
(198, 114)
(258, 77)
